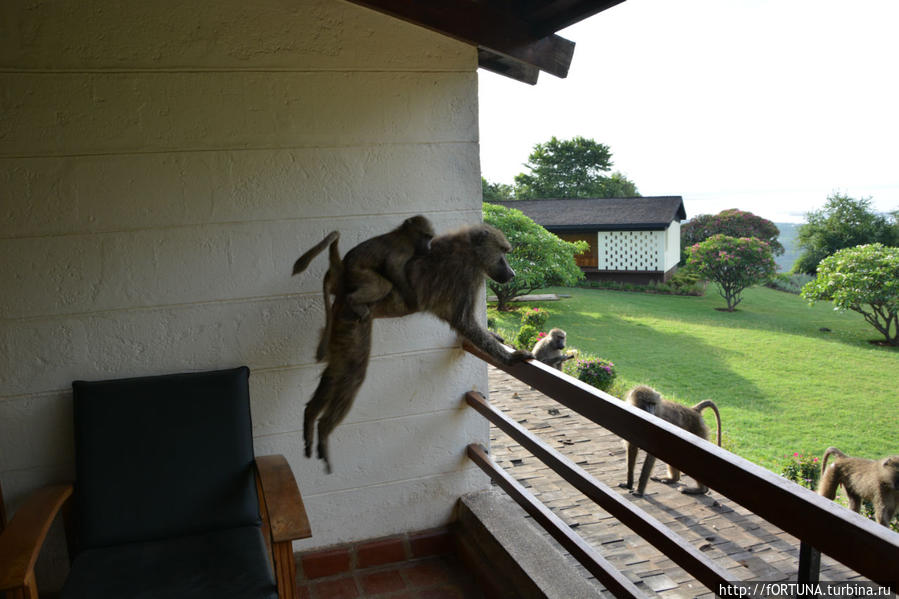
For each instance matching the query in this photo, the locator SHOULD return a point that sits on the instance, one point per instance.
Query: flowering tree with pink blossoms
(732, 222)
(733, 263)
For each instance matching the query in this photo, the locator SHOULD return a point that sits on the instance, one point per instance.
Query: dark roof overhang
(515, 38)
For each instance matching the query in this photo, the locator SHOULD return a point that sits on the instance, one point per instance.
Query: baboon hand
(520, 355)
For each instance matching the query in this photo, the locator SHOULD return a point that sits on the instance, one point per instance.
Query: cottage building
(633, 240)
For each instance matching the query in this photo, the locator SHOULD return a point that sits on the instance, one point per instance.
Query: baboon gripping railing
(821, 525)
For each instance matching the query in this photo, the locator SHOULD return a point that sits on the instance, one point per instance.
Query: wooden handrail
(868, 548)
(657, 534)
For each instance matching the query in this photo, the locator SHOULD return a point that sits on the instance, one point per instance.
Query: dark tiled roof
(647, 213)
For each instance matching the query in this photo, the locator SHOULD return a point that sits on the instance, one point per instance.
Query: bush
(536, 317)
(527, 337)
(688, 283)
(790, 283)
(864, 279)
(734, 264)
(803, 469)
(685, 281)
(595, 371)
(539, 258)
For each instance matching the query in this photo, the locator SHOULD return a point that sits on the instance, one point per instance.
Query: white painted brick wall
(161, 167)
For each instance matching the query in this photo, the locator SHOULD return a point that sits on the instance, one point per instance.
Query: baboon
(447, 281)
(369, 271)
(876, 481)
(549, 349)
(690, 419)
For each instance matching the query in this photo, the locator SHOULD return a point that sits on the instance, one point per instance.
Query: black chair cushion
(163, 456)
(226, 564)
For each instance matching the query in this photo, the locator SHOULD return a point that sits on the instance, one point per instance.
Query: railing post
(809, 564)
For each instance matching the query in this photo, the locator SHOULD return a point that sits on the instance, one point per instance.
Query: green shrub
(864, 279)
(735, 264)
(688, 283)
(527, 337)
(803, 469)
(595, 371)
(536, 317)
(790, 283)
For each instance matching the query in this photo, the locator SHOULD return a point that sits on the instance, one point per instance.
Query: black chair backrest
(163, 456)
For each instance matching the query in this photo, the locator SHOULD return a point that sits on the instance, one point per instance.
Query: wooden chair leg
(285, 570)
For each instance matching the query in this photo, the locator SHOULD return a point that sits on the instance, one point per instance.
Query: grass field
(782, 385)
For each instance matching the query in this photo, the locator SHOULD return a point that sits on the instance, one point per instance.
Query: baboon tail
(708, 403)
(303, 261)
(827, 453)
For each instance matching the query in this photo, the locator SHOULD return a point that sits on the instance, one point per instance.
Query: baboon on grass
(876, 481)
(549, 349)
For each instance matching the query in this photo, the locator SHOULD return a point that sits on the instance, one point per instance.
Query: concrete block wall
(163, 164)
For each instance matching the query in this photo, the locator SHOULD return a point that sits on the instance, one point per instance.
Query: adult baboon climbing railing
(821, 525)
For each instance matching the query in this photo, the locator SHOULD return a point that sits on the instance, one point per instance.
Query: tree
(864, 279)
(574, 168)
(843, 223)
(733, 263)
(496, 192)
(733, 223)
(539, 258)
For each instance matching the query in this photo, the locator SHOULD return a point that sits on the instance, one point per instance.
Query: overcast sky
(762, 105)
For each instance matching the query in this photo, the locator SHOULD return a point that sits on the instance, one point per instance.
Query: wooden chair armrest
(24, 535)
(286, 512)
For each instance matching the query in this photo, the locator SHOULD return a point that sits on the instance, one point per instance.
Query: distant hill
(789, 236)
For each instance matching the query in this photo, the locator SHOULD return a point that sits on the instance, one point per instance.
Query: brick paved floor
(739, 541)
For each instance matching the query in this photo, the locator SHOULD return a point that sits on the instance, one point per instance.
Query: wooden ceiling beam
(502, 65)
(488, 24)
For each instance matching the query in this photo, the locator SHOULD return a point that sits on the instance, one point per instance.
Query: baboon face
(891, 465)
(558, 338)
(645, 398)
(492, 247)
(420, 230)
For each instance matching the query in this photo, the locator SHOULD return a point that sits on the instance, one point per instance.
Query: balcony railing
(821, 525)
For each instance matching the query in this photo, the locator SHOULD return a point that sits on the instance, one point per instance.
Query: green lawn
(782, 385)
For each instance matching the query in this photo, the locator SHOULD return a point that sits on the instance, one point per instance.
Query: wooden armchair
(169, 500)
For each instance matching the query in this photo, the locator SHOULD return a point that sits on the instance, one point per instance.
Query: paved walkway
(739, 541)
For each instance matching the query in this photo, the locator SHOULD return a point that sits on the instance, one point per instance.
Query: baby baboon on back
(447, 281)
(876, 481)
(549, 349)
(369, 271)
(690, 419)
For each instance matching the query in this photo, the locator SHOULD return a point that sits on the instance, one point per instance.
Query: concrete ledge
(540, 297)
(510, 556)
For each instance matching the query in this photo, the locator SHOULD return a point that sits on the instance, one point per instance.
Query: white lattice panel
(631, 250)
